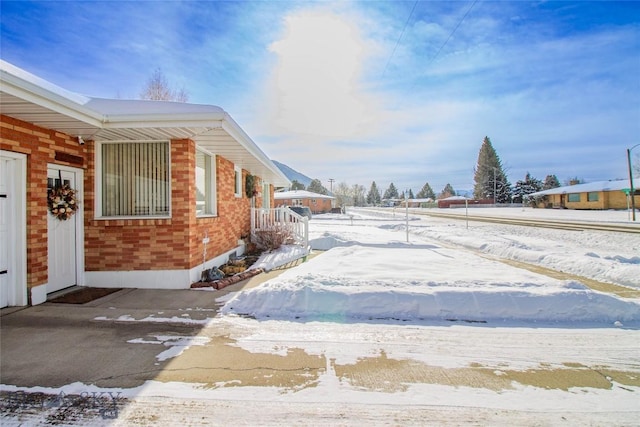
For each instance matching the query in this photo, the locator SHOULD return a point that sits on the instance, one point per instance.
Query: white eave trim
(210, 120)
(26, 86)
(232, 128)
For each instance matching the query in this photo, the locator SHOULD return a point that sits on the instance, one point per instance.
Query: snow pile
(370, 274)
(279, 257)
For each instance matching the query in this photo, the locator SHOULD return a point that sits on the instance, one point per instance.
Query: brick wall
(174, 243)
(320, 206)
(141, 244)
(42, 146)
(232, 222)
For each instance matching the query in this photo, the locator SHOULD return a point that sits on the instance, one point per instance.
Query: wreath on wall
(62, 202)
(250, 185)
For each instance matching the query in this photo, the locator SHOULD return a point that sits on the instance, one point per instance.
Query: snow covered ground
(439, 330)
(449, 272)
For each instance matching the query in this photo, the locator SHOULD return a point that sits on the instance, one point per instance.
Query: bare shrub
(273, 237)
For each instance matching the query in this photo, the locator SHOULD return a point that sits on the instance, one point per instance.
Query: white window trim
(266, 195)
(237, 183)
(98, 183)
(213, 193)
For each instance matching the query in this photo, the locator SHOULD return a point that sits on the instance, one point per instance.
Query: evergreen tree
(426, 192)
(295, 185)
(315, 186)
(411, 196)
(551, 181)
(490, 180)
(373, 196)
(447, 191)
(391, 193)
(523, 188)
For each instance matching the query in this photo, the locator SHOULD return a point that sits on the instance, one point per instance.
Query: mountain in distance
(293, 174)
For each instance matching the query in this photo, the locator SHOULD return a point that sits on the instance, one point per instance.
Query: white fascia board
(233, 129)
(210, 120)
(47, 95)
(164, 124)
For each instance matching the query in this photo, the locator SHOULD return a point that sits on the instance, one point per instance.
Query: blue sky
(391, 91)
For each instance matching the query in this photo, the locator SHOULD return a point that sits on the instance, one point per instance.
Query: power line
(452, 33)
(400, 38)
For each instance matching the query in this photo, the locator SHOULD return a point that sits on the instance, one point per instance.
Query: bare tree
(358, 192)
(158, 89)
(343, 194)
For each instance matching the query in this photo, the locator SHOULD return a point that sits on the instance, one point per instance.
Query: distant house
(417, 203)
(160, 189)
(594, 195)
(318, 203)
(456, 201)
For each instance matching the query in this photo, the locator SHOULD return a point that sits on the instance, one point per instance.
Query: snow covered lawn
(447, 272)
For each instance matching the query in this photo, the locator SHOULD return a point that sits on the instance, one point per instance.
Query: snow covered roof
(613, 185)
(456, 198)
(29, 98)
(300, 194)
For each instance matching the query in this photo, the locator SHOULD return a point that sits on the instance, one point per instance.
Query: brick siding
(320, 206)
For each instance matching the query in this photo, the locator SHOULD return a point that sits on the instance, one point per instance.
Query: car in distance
(301, 210)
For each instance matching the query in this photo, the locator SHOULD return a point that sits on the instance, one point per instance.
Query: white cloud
(314, 89)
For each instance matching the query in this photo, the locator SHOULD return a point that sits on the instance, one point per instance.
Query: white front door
(5, 221)
(62, 238)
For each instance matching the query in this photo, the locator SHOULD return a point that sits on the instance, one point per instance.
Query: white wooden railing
(268, 219)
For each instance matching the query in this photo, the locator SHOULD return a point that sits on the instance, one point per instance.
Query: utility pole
(631, 189)
(331, 184)
(406, 207)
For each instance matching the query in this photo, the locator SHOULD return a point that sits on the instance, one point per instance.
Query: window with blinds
(135, 179)
(205, 184)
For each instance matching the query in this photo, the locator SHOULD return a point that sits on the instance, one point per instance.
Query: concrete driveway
(51, 345)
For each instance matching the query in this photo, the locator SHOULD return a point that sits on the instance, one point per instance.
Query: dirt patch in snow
(222, 364)
(381, 373)
(621, 291)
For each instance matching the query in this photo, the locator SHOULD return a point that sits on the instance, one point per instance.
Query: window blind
(135, 179)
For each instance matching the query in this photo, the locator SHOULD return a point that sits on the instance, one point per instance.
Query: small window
(296, 202)
(574, 197)
(238, 181)
(313, 201)
(266, 196)
(592, 196)
(205, 172)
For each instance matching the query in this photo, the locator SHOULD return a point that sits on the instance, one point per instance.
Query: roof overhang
(31, 99)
